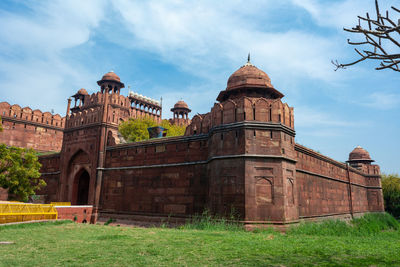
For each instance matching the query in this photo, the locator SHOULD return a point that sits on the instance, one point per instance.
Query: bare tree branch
(379, 34)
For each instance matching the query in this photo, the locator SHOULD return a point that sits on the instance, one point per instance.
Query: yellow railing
(20, 212)
(60, 203)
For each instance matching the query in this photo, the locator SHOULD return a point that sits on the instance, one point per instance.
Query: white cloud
(339, 14)
(32, 64)
(381, 100)
(205, 38)
(311, 117)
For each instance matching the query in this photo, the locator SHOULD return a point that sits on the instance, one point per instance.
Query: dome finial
(248, 63)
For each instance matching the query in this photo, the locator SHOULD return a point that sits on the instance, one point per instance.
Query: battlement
(24, 127)
(242, 109)
(88, 109)
(27, 115)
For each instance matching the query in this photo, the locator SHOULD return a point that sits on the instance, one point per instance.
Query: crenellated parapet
(243, 109)
(85, 116)
(88, 109)
(24, 127)
(26, 115)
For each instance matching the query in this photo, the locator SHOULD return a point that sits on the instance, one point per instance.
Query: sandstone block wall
(229, 171)
(3, 194)
(24, 127)
(156, 177)
(327, 187)
(243, 109)
(50, 171)
(80, 214)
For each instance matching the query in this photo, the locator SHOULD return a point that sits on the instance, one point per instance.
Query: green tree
(135, 130)
(1, 125)
(19, 172)
(391, 193)
(173, 130)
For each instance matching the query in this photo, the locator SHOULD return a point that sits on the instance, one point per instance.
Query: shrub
(373, 223)
(369, 224)
(206, 221)
(391, 193)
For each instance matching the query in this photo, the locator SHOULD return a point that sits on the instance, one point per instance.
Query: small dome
(359, 153)
(248, 76)
(181, 104)
(111, 76)
(82, 91)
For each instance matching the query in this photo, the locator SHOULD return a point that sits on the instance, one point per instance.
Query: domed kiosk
(359, 156)
(181, 113)
(111, 82)
(79, 98)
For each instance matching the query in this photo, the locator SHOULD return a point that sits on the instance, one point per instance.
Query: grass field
(372, 241)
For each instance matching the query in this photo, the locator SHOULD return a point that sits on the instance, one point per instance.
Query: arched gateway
(81, 188)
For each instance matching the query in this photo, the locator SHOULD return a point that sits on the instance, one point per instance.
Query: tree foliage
(135, 130)
(172, 129)
(391, 193)
(19, 172)
(380, 39)
(1, 125)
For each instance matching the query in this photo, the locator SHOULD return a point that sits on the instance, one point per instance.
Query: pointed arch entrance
(81, 183)
(79, 179)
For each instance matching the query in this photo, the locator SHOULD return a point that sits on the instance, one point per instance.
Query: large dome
(249, 76)
(359, 154)
(111, 76)
(249, 81)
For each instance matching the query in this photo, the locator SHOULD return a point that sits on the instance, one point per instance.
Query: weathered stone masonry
(24, 127)
(241, 157)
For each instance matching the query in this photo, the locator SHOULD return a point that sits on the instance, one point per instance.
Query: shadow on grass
(33, 224)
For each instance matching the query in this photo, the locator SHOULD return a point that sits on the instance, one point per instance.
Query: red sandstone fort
(241, 156)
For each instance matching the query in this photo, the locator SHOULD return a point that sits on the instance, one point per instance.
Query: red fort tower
(91, 126)
(240, 157)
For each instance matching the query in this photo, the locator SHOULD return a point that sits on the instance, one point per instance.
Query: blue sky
(187, 50)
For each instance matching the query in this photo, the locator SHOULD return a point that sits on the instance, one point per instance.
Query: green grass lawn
(70, 244)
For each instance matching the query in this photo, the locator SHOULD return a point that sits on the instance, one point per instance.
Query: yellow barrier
(20, 212)
(60, 203)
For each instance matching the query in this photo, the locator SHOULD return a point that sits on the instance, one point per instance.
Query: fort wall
(327, 187)
(240, 158)
(24, 127)
(50, 173)
(182, 176)
(160, 177)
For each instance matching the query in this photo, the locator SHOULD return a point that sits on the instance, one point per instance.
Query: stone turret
(111, 82)
(360, 159)
(181, 112)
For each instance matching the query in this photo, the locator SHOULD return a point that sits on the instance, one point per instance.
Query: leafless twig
(379, 31)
